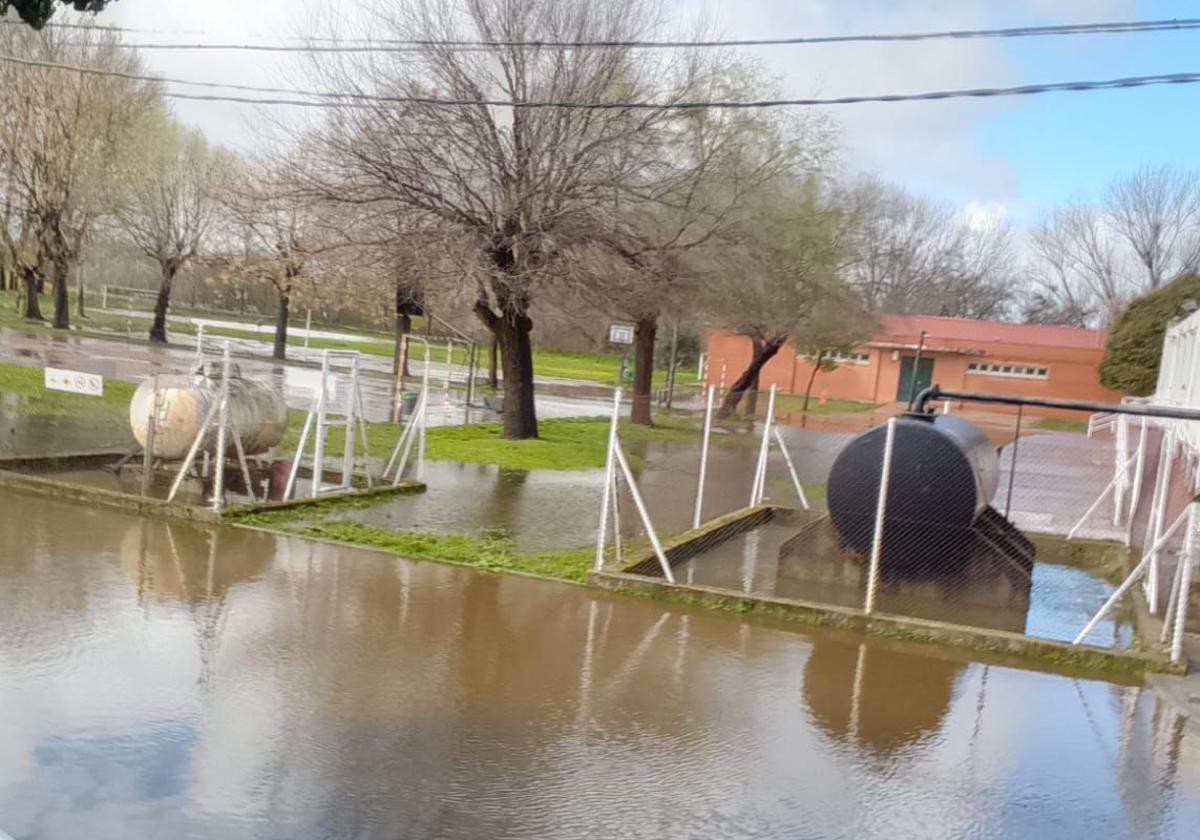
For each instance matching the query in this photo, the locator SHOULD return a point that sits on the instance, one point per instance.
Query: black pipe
(1170, 412)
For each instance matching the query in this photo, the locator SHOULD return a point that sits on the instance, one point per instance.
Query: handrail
(935, 393)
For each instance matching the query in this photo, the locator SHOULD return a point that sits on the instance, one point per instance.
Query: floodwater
(166, 680)
(1059, 601)
(544, 509)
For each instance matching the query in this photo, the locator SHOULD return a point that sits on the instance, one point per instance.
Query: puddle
(161, 679)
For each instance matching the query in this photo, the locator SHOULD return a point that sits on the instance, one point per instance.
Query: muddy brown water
(167, 680)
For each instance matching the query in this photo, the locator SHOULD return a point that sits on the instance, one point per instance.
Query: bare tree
(170, 208)
(281, 232)
(776, 280)
(710, 163)
(1157, 212)
(1078, 270)
(518, 182)
(906, 254)
(62, 134)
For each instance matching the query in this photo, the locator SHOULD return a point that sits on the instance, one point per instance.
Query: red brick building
(1025, 359)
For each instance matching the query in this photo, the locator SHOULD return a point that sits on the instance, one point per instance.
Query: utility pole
(912, 385)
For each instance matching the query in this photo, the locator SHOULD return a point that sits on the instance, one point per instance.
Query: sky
(1013, 157)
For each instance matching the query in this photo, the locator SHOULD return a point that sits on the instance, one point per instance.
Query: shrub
(1135, 340)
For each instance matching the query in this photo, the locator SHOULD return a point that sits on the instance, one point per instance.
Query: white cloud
(928, 147)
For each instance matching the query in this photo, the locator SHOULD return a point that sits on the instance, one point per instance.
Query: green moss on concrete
(278, 512)
(1103, 558)
(486, 550)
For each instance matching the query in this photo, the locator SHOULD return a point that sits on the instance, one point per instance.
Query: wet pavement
(166, 680)
(133, 362)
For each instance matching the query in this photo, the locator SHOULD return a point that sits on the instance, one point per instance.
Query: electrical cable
(395, 45)
(322, 99)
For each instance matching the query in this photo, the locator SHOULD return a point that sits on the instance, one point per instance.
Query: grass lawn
(28, 382)
(1058, 424)
(591, 367)
(493, 552)
(565, 444)
(794, 403)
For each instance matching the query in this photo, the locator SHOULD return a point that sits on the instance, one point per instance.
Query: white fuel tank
(256, 408)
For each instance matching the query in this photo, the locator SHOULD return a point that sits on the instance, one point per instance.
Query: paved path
(133, 361)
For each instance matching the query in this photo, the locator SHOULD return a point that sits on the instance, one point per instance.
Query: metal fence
(1057, 521)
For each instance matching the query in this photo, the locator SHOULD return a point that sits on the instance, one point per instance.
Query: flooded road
(166, 680)
(134, 362)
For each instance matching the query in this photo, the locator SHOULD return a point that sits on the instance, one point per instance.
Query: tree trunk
(644, 331)
(763, 353)
(493, 379)
(752, 391)
(31, 309)
(812, 377)
(79, 303)
(281, 326)
(516, 357)
(62, 300)
(158, 331)
(403, 328)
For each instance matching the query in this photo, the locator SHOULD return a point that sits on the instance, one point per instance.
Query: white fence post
(885, 474)
(760, 467)
(222, 432)
(609, 473)
(1188, 559)
(708, 409)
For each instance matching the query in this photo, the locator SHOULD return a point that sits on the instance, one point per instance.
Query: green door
(905, 391)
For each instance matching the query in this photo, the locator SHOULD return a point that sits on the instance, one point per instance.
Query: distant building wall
(1020, 359)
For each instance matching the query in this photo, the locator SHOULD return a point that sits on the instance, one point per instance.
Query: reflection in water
(178, 681)
(849, 688)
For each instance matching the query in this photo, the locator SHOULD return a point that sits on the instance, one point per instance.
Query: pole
(609, 473)
(912, 387)
(321, 430)
(1139, 472)
(222, 432)
(1133, 577)
(787, 457)
(1012, 470)
(1188, 559)
(641, 509)
(671, 364)
(151, 431)
(307, 332)
(472, 350)
(350, 414)
(760, 466)
(708, 409)
(885, 472)
(770, 426)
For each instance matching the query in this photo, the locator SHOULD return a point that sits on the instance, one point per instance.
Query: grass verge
(1059, 424)
(489, 551)
(29, 384)
(564, 444)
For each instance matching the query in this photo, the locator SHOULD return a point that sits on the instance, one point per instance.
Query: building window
(852, 358)
(1018, 371)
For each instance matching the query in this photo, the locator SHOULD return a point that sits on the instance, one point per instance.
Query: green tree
(1134, 347)
(37, 12)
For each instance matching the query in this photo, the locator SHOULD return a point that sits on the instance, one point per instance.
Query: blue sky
(1067, 145)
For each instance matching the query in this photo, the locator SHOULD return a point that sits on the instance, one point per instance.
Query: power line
(400, 45)
(328, 99)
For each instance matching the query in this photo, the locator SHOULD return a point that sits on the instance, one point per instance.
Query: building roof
(988, 332)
